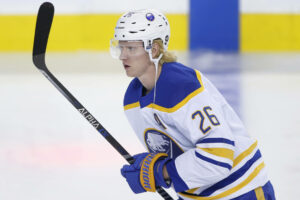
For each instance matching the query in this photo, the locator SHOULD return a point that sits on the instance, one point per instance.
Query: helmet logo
(150, 17)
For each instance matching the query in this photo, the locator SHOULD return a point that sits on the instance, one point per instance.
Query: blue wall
(214, 25)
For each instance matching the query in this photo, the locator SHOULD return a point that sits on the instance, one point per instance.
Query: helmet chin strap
(155, 61)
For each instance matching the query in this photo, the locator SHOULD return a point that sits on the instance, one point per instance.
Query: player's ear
(155, 50)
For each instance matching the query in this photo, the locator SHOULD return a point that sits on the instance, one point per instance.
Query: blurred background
(250, 49)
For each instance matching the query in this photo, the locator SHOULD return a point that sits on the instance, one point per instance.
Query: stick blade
(42, 30)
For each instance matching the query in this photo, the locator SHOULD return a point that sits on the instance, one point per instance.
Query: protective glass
(126, 48)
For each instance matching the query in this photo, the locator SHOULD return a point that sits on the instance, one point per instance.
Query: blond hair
(167, 56)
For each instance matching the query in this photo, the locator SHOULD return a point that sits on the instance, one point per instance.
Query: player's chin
(129, 73)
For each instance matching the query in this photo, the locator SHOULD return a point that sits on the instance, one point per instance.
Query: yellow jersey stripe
(218, 152)
(259, 193)
(238, 159)
(232, 190)
(221, 152)
(192, 190)
(132, 105)
(179, 105)
(199, 77)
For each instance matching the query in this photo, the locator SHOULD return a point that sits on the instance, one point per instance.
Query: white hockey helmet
(142, 25)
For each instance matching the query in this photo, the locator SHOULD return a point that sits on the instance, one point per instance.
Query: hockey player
(195, 141)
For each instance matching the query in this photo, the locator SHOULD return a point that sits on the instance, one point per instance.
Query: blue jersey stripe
(233, 177)
(216, 140)
(221, 164)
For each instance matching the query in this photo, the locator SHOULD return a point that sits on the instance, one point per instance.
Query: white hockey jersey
(213, 156)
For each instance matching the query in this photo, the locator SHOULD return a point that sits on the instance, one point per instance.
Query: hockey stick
(42, 30)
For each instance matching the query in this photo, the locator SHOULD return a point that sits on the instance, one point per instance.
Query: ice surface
(49, 151)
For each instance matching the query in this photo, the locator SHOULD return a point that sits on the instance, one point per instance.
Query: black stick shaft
(88, 116)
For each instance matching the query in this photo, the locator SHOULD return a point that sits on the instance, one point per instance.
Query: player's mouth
(126, 66)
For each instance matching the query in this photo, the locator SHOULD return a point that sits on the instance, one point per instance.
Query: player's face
(135, 59)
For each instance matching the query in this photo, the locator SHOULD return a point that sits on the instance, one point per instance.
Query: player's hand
(146, 173)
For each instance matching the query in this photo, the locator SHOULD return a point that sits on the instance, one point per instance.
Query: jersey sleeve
(202, 122)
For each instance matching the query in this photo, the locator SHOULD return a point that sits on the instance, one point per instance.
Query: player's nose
(123, 55)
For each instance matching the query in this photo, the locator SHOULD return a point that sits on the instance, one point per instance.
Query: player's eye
(131, 48)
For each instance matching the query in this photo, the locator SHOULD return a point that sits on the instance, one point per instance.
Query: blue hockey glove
(146, 172)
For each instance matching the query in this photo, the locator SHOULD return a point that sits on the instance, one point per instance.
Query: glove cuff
(147, 171)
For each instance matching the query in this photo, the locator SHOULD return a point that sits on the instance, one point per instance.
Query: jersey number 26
(212, 118)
